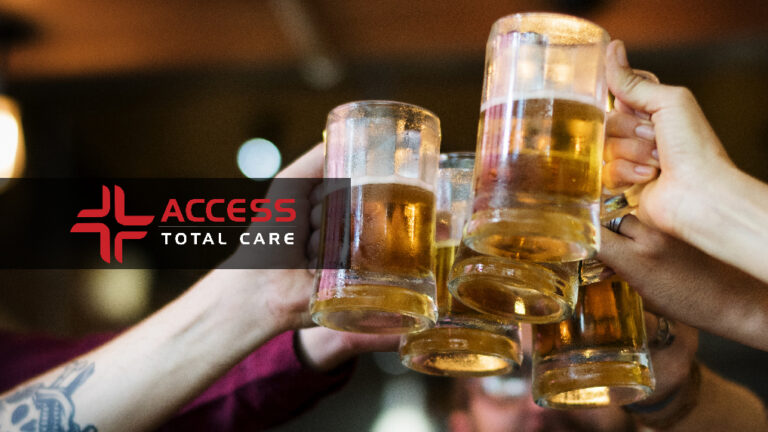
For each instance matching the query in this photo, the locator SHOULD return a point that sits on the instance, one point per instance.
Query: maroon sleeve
(269, 387)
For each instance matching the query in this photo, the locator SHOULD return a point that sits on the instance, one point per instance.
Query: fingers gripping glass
(540, 140)
(529, 207)
(599, 356)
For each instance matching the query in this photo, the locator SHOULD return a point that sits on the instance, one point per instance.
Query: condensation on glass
(464, 342)
(379, 236)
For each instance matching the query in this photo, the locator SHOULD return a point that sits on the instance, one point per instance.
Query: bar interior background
(138, 88)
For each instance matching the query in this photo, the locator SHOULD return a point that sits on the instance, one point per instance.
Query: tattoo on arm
(47, 408)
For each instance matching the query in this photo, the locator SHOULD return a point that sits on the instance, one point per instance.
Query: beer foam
(393, 179)
(541, 94)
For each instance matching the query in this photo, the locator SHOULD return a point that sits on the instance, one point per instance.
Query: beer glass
(463, 342)
(540, 140)
(599, 356)
(505, 287)
(532, 292)
(382, 231)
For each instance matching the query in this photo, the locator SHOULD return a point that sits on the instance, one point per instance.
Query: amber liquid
(381, 239)
(537, 180)
(464, 342)
(599, 356)
(513, 289)
(447, 305)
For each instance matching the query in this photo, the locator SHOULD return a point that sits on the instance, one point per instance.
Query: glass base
(527, 292)
(460, 352)
(592, 378)
(542, 235)
(379, 309)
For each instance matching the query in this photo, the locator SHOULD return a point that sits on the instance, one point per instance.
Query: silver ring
(615, 224)
(664, 336)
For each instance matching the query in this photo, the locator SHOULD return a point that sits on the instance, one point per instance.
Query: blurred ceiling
(89, 37)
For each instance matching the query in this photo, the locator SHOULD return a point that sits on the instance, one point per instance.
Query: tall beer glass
(463, 342)
(540, 140)
(384, 232)
(599, 356)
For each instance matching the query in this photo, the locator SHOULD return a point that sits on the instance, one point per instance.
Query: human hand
(630, 145)
(679, 281)
(284, 292)
(689, 153)
(324, 349)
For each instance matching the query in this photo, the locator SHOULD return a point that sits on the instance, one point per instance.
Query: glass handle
(622, 204)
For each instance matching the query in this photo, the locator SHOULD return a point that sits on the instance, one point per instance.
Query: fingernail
(606, 273)
(621, 54)
(645, 132)
(644, 170)
(655, 154)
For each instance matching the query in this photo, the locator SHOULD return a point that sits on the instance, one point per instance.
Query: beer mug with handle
(540, 140)
(599, 356)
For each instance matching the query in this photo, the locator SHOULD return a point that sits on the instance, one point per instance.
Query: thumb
(635, 89)
(308, 165)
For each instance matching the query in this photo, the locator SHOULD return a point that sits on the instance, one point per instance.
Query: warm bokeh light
(118, 296)
(11, 140)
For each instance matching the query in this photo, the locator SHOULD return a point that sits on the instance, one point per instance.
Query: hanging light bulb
(12, 155)
(13, 30)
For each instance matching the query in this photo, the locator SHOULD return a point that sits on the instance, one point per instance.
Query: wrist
(244, 299)
(698, 198)
(322, 349)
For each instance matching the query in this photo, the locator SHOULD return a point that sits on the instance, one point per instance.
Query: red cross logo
(103, 230)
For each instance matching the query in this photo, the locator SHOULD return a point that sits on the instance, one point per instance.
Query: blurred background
(140, 88)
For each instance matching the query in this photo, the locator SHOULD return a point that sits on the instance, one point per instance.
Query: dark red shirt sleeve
(269, 387)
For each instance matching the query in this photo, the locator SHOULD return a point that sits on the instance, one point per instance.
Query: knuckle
(655, 243)
(681, 94)
(632, 81)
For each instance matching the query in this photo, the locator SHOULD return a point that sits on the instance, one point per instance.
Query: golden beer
(446, 303)
(464, 342)
(512, 289)
(597, 357)
(537, 183)
(383, 248)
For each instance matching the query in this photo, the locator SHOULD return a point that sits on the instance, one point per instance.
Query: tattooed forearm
(46, 408)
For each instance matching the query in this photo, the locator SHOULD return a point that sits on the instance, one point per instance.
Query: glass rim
(339, 111)
(457, 155)
(598, 33)
(455, 159)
